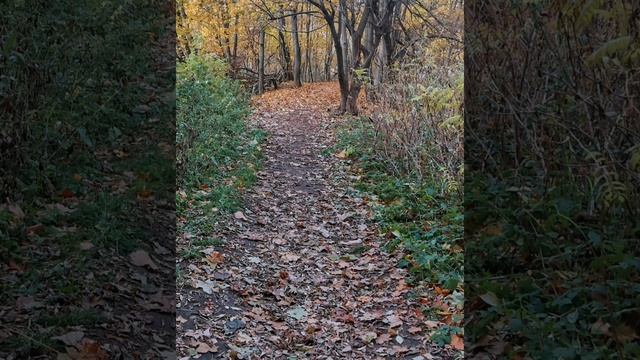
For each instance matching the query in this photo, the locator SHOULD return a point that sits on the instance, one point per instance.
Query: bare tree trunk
(381, 59)
(261, 62)
(344, 41)
(380, 65)
(235, 39)
(329, 58)
(284, 50)
(308, 50)
(297, 56)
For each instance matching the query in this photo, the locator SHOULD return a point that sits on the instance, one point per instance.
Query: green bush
(211, 109)
(217, 151)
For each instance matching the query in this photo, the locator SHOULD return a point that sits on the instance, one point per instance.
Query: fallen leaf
(86, 245)
(369, 337)
(27, 303)
(145, 195)
(204, 348)
(207, 287)
(393, 321)
(90, 350)
(297, 313)
(623, 333)
(290, 257)
(16, 211)
(72, 338)
(457, 342)
(383, 339)
(431, 324)
(141, 258)
(368, 316)
(35, 229)
(215, 257)
(239, 215)
(490, 298)
(600, 327)
(66, 193)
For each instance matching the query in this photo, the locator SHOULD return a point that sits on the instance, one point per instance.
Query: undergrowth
(87, 127)
(218, 153)
(422, 217)
(551, 192)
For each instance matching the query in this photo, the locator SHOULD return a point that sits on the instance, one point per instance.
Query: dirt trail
(303, 275)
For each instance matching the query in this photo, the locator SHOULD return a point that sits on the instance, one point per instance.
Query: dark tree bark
(297, 55)
(360, 57)
(261, 62)
(329, 58)
(285, 56)
(344, 41)
(308, 50)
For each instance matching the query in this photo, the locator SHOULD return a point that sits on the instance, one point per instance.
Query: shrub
(211, 109)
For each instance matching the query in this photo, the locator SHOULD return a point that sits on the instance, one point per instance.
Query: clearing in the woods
(300, 271)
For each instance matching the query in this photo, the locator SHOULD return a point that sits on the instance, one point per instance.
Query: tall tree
(285, 57)
(261, 61)
(356, 19)
(297, 54)
(329, 57)
(308, 47)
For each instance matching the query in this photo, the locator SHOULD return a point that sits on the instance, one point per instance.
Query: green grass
(422, 218)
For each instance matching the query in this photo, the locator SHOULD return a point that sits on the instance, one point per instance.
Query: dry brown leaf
(16, 211)
(393, 321)
(239, 215)
(35, 229)
(71, 338)
(215, 257)
(383, 339)
(204, 348)
(141, 258)
(90, 350)
(457, 342)
(290, 257)
(431, 324)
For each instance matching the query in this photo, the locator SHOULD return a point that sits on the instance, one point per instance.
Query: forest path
(301, 274)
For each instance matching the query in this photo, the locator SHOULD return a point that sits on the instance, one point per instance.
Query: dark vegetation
(551, 188)
(86, 134)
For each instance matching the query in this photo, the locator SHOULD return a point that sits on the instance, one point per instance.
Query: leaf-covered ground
(300, 271)
(87, 246)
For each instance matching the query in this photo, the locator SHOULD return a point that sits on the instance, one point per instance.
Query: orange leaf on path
(457, 342)
(216, 257)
